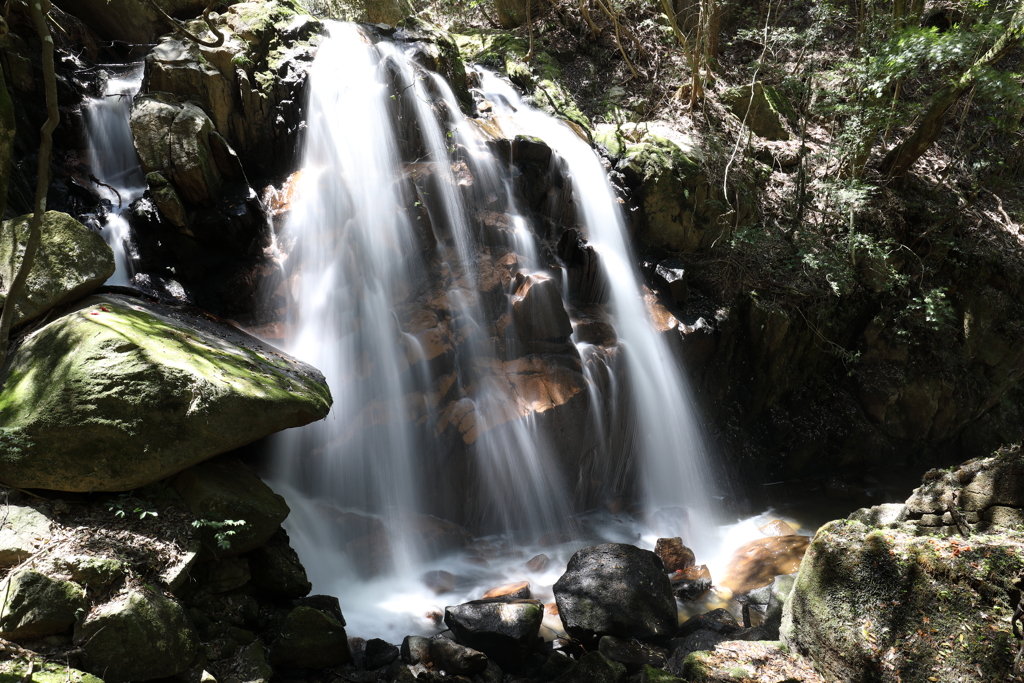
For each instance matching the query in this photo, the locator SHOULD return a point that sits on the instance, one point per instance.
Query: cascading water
(406, 298)
(116, 171)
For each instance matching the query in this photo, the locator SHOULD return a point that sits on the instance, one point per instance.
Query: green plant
(223, 531)
(127, 503)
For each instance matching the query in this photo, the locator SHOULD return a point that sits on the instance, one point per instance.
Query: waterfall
(431, 299)
(116, 171)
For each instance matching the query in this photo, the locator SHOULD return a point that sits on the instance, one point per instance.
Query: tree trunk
(901, 157)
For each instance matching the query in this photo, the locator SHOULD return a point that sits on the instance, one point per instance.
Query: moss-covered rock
(119, 393)
(23, 526)
(762, 107)
(70, 263)
(139, 636)
(33, 605)
(888, 605)
(310, 639)
(16, 671)
(594, 667)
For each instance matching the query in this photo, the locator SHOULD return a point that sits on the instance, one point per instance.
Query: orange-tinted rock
(777, 527)
(510, 590)
(696, 572)
(674, 555)
(551, 608)
(757, 563)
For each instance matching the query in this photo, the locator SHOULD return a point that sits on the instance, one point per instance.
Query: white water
(357, 253)
(115, 163)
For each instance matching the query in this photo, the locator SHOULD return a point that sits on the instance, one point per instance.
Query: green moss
(16, 671)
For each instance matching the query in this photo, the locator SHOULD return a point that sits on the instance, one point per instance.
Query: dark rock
(556, 664)
(594, 668)
(703, 639)
(670, 276)
(324, 603)
(616, 589)
(720, 621)
(276, 570)
(456, 659)
(310, 639)
(505, 630)
(537, 310)
(631, 654)
(415, 650)
(379, 653)
(538, 563)
(439, 581)
(674, 555)
(225, 574)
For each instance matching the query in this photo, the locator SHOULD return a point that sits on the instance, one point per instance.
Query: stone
(167, 199)
(415, 649)
(226, 574)
(23, 528)
(178, 66)
(631, 654)
(651, 674)
(223, 489)
(173, 138)
(456, 659)
(143, 392)
(70, 263)
(310, 639)
(538, 563)
(594, 667)
(537, 310)
(505, 630)
(139, 636)
(90, 571)
(379, 653)
(175, 575)
(880, 515)
(511, 591)
(439, 581)
(674, 555)
(755, 564)
(248, 665)
(17, 671)
(719, 620)
(133, 21)
(276, 569)
(780, 591)
(33, 605)
(670, 276)
(703, 639)
(760, 107)
(777, 527)
(616, 589)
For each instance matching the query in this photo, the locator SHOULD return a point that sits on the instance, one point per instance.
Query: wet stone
(379, 653)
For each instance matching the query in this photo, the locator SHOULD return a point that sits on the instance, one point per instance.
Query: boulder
(224, 575)
(119, 393)
(22, 529)
(379, 653)
(673, 554)
(88, 570)
(537, 310)
(631, 654)
(720, 621)
(777, 527)
(503, 629)
(134, 21)
(33, 605)
(70, 263)
(249, 665)
(616, 589)
(310, 639)
(455, 659)
(17, 671)
(757, 563)
(682, 648)
(762, 108)
(276, 569)
(223, 490)
(415, 649)
(174, 138)
(670, 276)
(510, 591)
(594, 667)
(139, 636)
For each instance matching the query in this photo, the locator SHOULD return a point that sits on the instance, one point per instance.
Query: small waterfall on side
(116, 171)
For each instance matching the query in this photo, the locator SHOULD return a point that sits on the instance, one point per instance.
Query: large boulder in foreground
(70, 263)
(33, 605)
(119, 393)
(907, 601)
(616, 589)
(504, 630)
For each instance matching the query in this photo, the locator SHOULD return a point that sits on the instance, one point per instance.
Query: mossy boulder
(888, 605)
(237, 511)
(310, 639)
(70, 263)
(33, 605)
(504, 630)
(762, 107)
(23, 527)
(139, 636)
(119, 393)
(16, 671)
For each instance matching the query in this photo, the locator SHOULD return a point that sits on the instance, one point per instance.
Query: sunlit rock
(757, 563)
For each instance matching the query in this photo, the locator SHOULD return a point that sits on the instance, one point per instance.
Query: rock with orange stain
(674, 554)
(777, 527)
(757, 563)
(517, 590)
(551, 608)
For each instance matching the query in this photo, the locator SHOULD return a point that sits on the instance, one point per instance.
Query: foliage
(224, 530)
(126, 503)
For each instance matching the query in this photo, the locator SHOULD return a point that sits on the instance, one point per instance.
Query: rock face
(864, 591)
(276, 570)
(140, 636)
(142, 392)
(134, 21)
(70, 263)
(505, 630)
(33, 605)
(616, 589)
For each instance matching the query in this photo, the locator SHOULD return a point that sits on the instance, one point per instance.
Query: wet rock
(33, 605)
(505, 630)
(510, 591)
(674, 555)
(670, 276)
(139, 636)
(720, 621)
(537, 310)
(631, 654)
(755, 564)
(456, 659)
(780, 591)
(276, 569)
(310, 639)
(70, 263)
(415, 649)
(24, 527)
(777, 527)
(379, 653)
(689, 586)
(616, 589)
(224, 489)
(143, 392)
(594, 668)
(167, 200)
(173, 138)
(538, 563)
(439, 581)
(762, 108)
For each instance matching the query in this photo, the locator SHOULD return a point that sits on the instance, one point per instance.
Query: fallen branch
(180, 28)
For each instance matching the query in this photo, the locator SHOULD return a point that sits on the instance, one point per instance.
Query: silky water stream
(465, 389)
